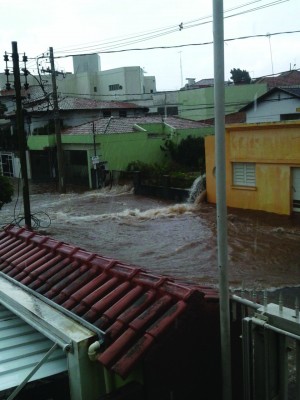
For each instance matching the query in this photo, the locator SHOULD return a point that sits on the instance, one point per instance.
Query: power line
(153, 34)
(179, 45)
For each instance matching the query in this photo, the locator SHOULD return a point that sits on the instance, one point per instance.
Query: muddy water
(178, 240)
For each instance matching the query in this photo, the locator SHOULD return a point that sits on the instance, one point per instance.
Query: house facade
(262, 167)
(39, 120)
(110, 144)
(278, 104)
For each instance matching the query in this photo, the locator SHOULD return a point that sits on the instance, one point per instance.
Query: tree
(6, 191)
(189, 153)
(239, 76)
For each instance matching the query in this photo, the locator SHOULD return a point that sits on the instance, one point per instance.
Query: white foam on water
(128, 214)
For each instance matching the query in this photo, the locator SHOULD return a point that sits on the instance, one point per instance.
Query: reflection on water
(173, 239)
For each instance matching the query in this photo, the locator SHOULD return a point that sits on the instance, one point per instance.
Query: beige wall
(274, 148)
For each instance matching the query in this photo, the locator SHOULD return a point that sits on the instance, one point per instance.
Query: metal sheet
(21, 348)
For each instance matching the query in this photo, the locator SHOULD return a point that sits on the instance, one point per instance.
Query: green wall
(40, 142)
(198, 104)
(119, 149)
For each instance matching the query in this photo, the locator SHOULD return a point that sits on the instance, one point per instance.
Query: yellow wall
(274, 148)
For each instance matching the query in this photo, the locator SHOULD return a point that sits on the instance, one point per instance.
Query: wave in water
(129, 214)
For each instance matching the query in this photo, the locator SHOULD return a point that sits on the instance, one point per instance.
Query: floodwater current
(177, 240)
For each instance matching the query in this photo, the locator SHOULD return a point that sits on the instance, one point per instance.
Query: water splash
(127, 214)
(198, 188)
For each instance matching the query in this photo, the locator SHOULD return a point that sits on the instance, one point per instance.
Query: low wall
(164, 191)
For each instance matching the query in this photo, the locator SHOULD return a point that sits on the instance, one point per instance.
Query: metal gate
(7, 166)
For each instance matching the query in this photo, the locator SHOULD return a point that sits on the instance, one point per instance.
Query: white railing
(271, 349)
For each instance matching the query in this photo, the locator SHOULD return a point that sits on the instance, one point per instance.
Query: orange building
(262, 166)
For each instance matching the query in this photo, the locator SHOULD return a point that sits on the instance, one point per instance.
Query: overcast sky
(84, 26)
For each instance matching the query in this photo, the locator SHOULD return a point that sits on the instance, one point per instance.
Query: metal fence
(271, 349)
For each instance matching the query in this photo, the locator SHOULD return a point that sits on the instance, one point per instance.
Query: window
(287, 117)
(171, 110)
(244, 174)
(106, 113)
(123, 113)
(116, 86)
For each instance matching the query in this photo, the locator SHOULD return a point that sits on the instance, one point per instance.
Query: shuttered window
(244, 174)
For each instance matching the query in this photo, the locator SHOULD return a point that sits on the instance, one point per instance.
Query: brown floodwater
(178, 240)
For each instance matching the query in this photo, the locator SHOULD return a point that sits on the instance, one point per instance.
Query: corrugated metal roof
(133, 307)
(21, 348)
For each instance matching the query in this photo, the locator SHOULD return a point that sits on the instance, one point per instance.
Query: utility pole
(219, 96)
(21, 134)
(60, 161)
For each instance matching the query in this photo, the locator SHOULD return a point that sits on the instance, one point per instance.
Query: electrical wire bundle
(39, 219)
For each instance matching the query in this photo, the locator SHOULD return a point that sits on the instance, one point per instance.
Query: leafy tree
(239, 76)
(6, 191)
(147, 170)
(189, 153)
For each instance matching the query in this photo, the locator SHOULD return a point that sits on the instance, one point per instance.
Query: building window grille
(116, 86)
(244, 174)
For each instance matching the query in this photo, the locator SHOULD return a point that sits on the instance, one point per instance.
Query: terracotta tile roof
(133, 307)
(33, 93)
(128, 124)
(76, 103)
(287, 78)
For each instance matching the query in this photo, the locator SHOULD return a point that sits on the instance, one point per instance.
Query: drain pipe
(220, 150)
(93, 352)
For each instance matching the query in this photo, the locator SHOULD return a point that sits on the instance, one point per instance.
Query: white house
(278, 104)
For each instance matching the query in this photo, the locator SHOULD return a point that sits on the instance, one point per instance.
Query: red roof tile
(77, 103)
(287, 78)
(133, 307)
(129, 124)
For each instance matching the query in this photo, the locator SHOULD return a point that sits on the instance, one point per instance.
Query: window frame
(244, 174)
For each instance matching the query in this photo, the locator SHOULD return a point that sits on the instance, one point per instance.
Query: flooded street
(178, 240)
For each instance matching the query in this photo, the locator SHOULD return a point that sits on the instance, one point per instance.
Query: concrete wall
(86, 63)
(40, 142)
(274, 148)
(198, 104)
(131, 82)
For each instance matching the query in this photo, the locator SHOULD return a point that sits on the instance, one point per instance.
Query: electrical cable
(153, 34)
(180, 45)
(37, 218)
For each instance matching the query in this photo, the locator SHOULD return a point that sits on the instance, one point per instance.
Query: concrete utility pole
(21, 134)
(60, 160)
(219, 95)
